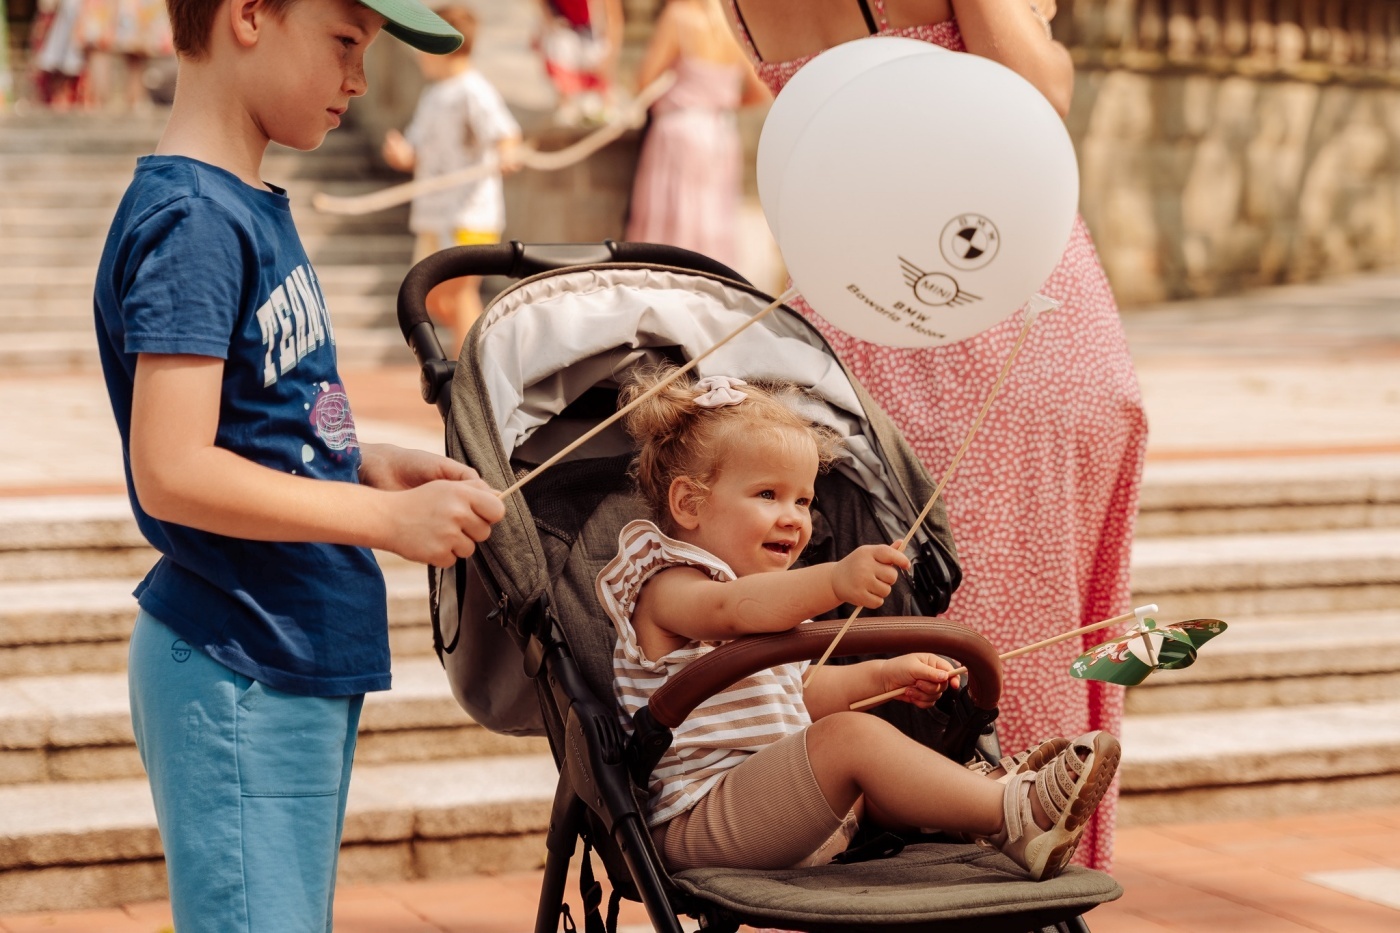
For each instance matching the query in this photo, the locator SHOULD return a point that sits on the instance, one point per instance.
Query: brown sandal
(1030, 759)
(1070, 787)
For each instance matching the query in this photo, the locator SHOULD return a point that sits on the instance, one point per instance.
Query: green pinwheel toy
(1146, 647)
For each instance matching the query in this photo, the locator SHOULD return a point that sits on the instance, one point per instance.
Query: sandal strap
(1016, 806)
(1055, 783)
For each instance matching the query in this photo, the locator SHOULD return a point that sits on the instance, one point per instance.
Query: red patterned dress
(1043, 505)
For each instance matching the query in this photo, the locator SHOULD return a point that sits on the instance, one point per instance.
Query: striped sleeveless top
(723, 730)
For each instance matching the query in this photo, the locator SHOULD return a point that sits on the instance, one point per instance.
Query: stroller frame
(597, 798)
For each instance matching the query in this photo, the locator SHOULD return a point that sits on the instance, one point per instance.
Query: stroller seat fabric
(924, 884)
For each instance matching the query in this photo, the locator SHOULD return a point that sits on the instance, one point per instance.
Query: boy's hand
(398, 152)
(925, 677)
(444, 508)
(865, 576)
(393, 468)
(442, 520)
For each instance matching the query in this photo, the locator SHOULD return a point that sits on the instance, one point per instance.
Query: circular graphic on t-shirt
(330, 416)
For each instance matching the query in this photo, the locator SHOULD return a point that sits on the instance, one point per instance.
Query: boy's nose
(355, 81)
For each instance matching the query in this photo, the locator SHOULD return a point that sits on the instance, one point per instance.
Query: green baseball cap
(413, 23)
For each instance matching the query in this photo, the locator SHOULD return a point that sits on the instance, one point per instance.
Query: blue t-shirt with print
(198, 262)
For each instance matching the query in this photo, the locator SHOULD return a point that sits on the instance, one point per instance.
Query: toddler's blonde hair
(677, 438)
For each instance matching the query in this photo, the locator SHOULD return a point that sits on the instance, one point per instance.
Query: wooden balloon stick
(1031, 314)
(1026, 649)
(622, 412)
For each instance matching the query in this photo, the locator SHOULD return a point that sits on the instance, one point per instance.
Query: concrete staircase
(1298, 705)
(434, 793)
(63, 175)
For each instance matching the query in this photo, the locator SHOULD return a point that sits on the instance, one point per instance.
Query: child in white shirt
(460, 121)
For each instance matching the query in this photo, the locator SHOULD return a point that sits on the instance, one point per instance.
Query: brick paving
(1240, 877)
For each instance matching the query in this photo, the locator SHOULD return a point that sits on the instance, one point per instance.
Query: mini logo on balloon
(969, 242)
(935, 288)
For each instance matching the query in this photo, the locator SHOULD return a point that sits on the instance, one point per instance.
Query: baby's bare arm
(687, 603)
(182, 477)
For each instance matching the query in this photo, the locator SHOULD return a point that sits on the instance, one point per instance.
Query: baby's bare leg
(904, 782)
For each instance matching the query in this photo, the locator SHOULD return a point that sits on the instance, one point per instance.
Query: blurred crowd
(96, 54)
(117, 56)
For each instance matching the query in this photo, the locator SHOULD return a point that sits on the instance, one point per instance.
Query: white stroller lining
(546, 341)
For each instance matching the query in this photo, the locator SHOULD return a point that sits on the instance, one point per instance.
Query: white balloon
(803, 95)
(927, 199)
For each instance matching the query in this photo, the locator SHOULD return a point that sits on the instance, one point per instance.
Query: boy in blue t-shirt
(264, 622)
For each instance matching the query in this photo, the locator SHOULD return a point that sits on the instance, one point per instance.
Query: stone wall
(1230, 143)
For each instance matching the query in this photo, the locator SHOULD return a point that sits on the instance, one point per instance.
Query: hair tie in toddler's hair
(719, 391)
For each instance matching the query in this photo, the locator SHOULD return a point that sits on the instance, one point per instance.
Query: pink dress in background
(686, 191)
(1043, 505)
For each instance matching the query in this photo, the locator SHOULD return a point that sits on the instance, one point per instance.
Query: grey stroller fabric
(924, 883)
(541, 347)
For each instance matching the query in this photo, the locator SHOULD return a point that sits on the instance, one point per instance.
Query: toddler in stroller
(528, 648)
(765, 773)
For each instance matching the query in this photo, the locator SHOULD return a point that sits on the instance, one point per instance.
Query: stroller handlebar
(514, 260)
(731, 662)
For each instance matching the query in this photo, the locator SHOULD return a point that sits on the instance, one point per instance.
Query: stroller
(528, 650)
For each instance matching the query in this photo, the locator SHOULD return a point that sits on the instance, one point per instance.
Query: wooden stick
(1017, 652)
(622, 412)
(530, 157)
(947, 475)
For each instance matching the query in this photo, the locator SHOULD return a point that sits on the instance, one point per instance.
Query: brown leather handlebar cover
(735, 660)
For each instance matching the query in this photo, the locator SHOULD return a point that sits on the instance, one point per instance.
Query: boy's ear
(246, 17)
(685, 498)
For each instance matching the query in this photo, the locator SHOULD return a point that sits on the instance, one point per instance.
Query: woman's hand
(925, 677)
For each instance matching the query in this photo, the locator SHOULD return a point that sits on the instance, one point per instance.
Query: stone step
(20, 221)
(72, 253)
(52, 627)
(1250, 764)
(70, 315)
(1282, 661)
(90, 844)
(106, 176)
(1280, 494)
(30, 283)
(302, 180)
(72, 845)
(44, 133)
(77, 727)
(1228, 576)
(50, 351)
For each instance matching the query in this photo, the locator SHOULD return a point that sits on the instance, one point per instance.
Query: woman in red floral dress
(1043, 505)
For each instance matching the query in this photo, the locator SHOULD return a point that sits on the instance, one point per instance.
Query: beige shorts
(766, 812)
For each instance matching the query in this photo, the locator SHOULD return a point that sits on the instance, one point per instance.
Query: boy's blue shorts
(249, 785)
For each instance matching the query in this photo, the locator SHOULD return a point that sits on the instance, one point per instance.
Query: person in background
(460, 121)
(1044, 504)
(58, 55)
(134, 31)
(687, 187)
(579, 41)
